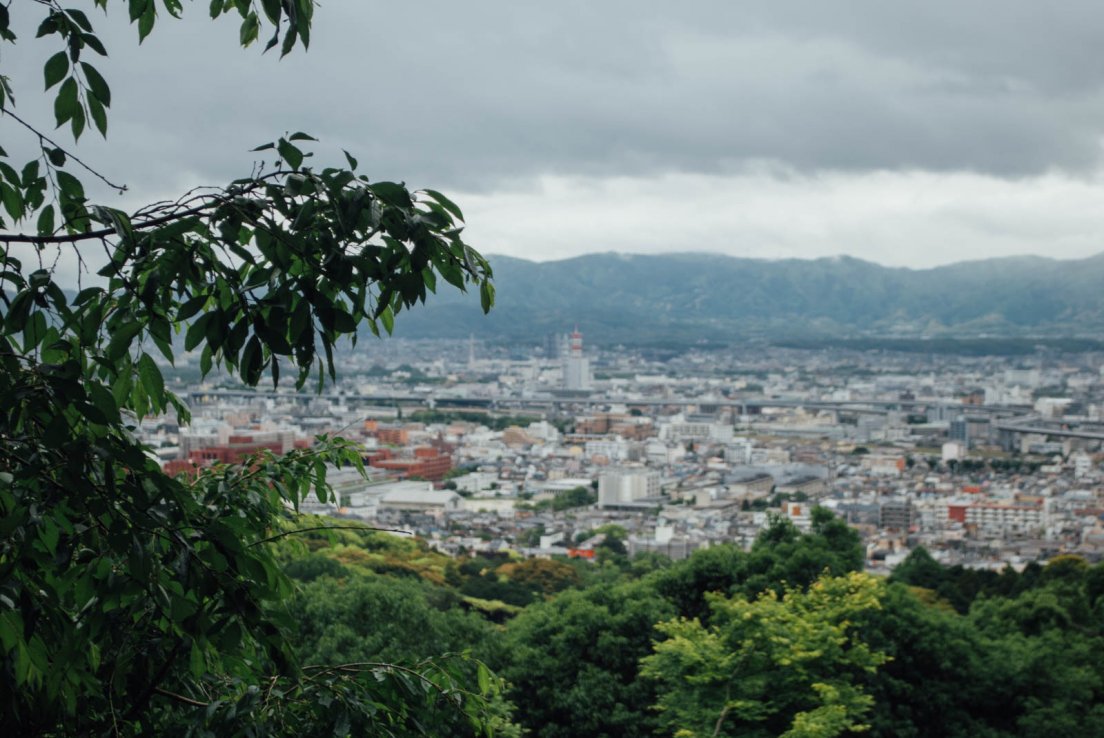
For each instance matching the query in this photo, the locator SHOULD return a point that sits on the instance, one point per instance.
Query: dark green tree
(132, 602)
(919, 569)
(783, 555)
(715, 569)
(573, 662)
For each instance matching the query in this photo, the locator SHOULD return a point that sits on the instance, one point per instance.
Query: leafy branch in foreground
(130, 601)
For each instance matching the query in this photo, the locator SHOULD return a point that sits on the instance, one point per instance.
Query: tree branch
(100, 234)
(360, 666)
(179, 697)
(212, 200)
(69, 155)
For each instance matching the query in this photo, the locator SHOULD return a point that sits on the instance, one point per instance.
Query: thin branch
(103, 232)
(359, 666)
(154, 684)
(179, 697)
(327, 527)
(47, 139)
(213, 200)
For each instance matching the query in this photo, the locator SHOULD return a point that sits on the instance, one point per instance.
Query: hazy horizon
(828, 257)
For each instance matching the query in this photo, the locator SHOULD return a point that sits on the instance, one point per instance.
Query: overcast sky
(907, 135)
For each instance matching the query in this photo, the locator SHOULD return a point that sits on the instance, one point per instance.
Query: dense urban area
(984, 461)
(770, 419)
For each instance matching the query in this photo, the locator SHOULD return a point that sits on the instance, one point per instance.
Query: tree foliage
(777, 665)
(135, 602)
(573, 662)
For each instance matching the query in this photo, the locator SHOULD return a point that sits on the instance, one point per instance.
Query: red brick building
(427, 463)
(237, 449)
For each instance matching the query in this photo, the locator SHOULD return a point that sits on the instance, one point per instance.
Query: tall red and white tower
(576, 368)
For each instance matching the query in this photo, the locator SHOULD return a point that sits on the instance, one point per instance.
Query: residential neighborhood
(984, 461)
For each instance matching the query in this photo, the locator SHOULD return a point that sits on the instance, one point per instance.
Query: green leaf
(196, 662)
(151, 378)
(197, 331)
(80, 18)
(392, 194)
(446, 203)
(94, 43)
(30, 174)
(173, 7)
(78, 122)
(191, 307)
(289, 40)
(121, 339)
(251, 361)
(145, 23)
(55, 69)
(250, 27)
(289, 153)
(136, 7)
(70, 185)
(104, 401)
(273, 10)
(45, 225)
(349, 158)
(97, 84)
(66, 104)
(343, 322)
(22, 665)
(34, 331)
(483, 677)
(300, 320)
(120, 389)
(99, 115)
(486, 296)
(10, 174)
(13, 201)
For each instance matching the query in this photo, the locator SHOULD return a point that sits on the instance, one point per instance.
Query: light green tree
(786, 665)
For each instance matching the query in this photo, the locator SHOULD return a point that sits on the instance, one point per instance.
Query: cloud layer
(797, 128)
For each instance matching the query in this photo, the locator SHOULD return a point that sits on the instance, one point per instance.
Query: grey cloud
(469, 95)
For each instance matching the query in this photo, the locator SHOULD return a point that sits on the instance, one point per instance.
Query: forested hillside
(639, 298)
(789, 638)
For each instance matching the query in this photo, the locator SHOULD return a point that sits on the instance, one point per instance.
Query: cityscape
(482, 449)
(533, 370)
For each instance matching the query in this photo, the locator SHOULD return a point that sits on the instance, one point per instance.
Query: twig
(103, 232)
(179, 697)
(214, 200)
(360, 666)
(47, 139)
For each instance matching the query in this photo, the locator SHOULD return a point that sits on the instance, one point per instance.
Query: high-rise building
(626, 484)
(896, 514)
(959, 431)
(576, 367)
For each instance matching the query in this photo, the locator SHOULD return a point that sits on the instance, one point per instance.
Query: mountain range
(711, 298)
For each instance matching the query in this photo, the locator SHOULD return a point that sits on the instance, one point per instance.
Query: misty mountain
(705, 297)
